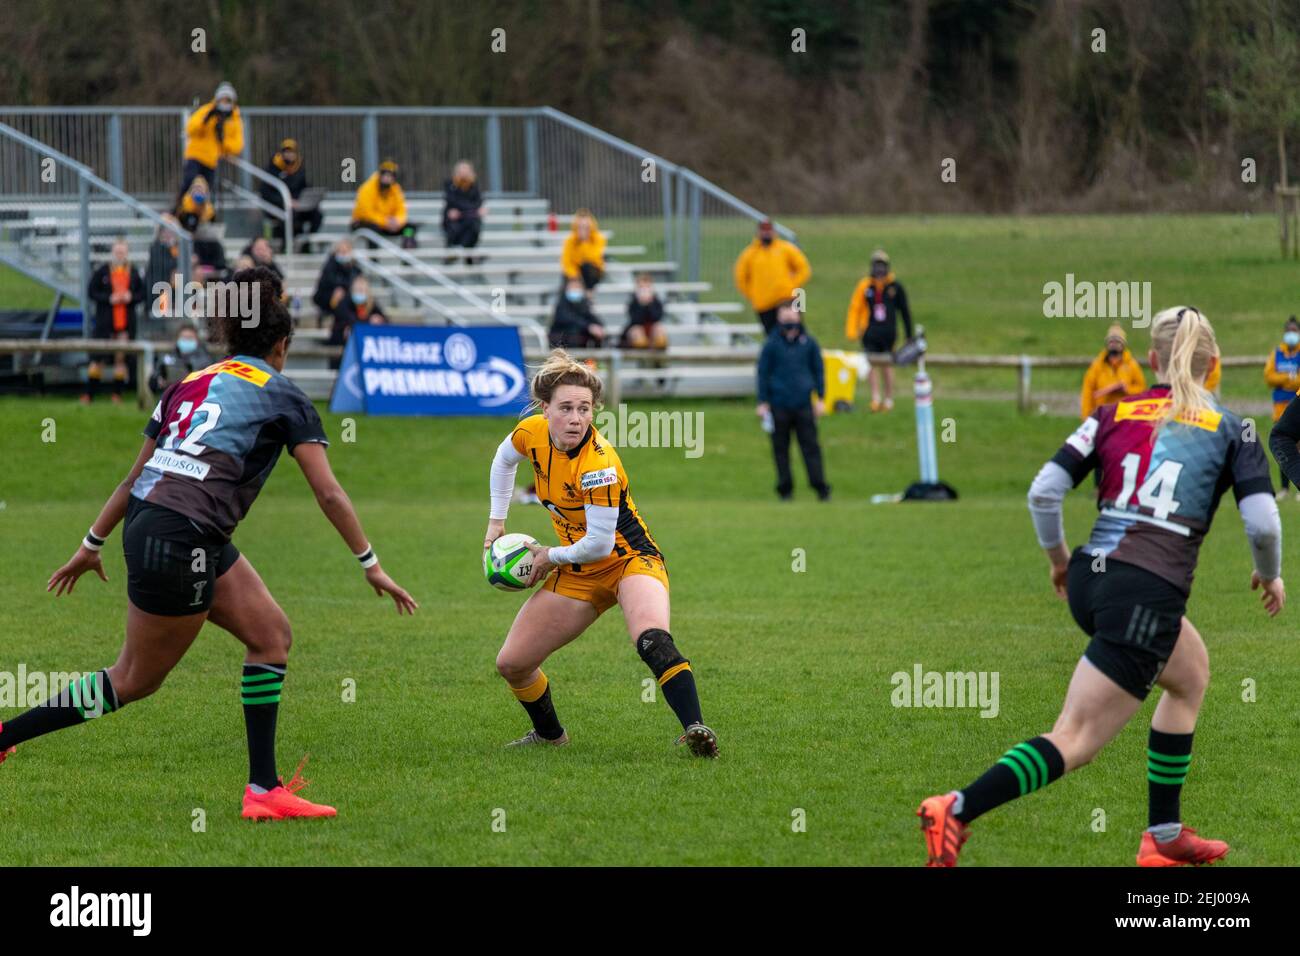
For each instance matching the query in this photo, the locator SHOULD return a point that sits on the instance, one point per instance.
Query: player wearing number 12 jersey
(209, 447)
(1165, 457)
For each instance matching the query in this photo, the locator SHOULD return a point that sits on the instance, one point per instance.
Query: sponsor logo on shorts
(176, 464)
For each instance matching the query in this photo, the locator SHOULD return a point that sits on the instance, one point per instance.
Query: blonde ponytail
(1184, 343)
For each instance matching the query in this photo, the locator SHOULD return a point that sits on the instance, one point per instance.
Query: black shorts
(879, 340)
(1132, 616)
(165, 572)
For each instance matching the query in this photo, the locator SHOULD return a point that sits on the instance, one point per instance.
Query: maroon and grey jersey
(219, 433)
(1158, 490)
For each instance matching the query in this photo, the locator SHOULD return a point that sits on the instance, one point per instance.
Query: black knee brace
(657, 649)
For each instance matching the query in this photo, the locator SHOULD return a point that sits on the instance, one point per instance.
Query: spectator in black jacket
(335, 278)
(575, 325)
(357, 306)
(791, 385)
(645, 314)
(164, 261)
(286, 166)
(463, 209)
(118, 291)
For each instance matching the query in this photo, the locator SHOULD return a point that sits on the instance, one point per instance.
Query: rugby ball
(508, 563)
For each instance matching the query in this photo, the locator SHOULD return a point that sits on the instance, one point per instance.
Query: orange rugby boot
(944, 834)
(1187, 849)
(283, 803)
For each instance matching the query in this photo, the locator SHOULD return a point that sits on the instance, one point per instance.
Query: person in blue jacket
(791, 388)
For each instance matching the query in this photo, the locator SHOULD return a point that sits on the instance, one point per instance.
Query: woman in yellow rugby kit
(606, 555)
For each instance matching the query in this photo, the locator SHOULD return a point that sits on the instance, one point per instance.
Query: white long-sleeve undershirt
(501, 479)
(602, 520)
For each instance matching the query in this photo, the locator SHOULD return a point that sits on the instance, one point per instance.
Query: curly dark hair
(270, 317)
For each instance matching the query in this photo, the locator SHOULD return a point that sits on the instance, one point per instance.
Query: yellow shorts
(599, 586)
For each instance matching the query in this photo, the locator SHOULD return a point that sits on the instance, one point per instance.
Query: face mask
(1291, 338)
(186, 346)
(1114, 353)
(199, 198)
(765, 240)
(574, 295)
(358, 297)
(344, 257)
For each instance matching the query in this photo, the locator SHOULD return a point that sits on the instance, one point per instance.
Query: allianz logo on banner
(424, 370)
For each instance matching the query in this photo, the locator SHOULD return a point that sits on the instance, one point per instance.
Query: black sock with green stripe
(84, 699)
(260, 693)
(1023, 769)
(1169, 756)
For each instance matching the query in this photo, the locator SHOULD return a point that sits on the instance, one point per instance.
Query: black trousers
(804, 424)
(462, 232)
(768, 318)
(303, 223)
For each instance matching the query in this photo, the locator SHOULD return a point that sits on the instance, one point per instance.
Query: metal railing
(285, 214)
(481, 307)
(537, 152)
(29, 173)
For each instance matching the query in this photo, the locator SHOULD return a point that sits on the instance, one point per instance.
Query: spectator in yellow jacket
(381, 205)
(213, 130)
(1113, 374)
(195, 208)
(1282, 373)
(769, 271)
(583, 255)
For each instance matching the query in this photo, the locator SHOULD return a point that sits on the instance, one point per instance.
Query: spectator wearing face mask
(878, 302)
(195, 208)
(214, 130)
(381, 205)
(357, 306)
(462, 208)
(286, 166)
(583, 255)
(791, 387)
(645, 314)
(260, 252)
(574, 324)
(1282, 372)
(768, 272)
(188, 356)
(117, 290)
(1113, 374)
(336, 278)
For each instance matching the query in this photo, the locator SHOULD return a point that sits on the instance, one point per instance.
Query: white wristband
(91, 542)
(367, 557)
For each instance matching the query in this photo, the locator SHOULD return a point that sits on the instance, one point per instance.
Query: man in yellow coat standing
(213, 130)
(769, 271)
(1113, 374)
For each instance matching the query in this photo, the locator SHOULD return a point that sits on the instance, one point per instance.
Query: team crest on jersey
(249, 373)
(598, 479)
(569, 490)
(1151, 409)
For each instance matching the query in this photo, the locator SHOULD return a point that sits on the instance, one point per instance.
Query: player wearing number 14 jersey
(209, 447)
(1164, 457)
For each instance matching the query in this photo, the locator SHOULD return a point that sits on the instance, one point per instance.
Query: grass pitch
(794, 666)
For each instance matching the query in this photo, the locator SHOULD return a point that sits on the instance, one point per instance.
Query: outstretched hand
(383, 584)
(66, 577)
